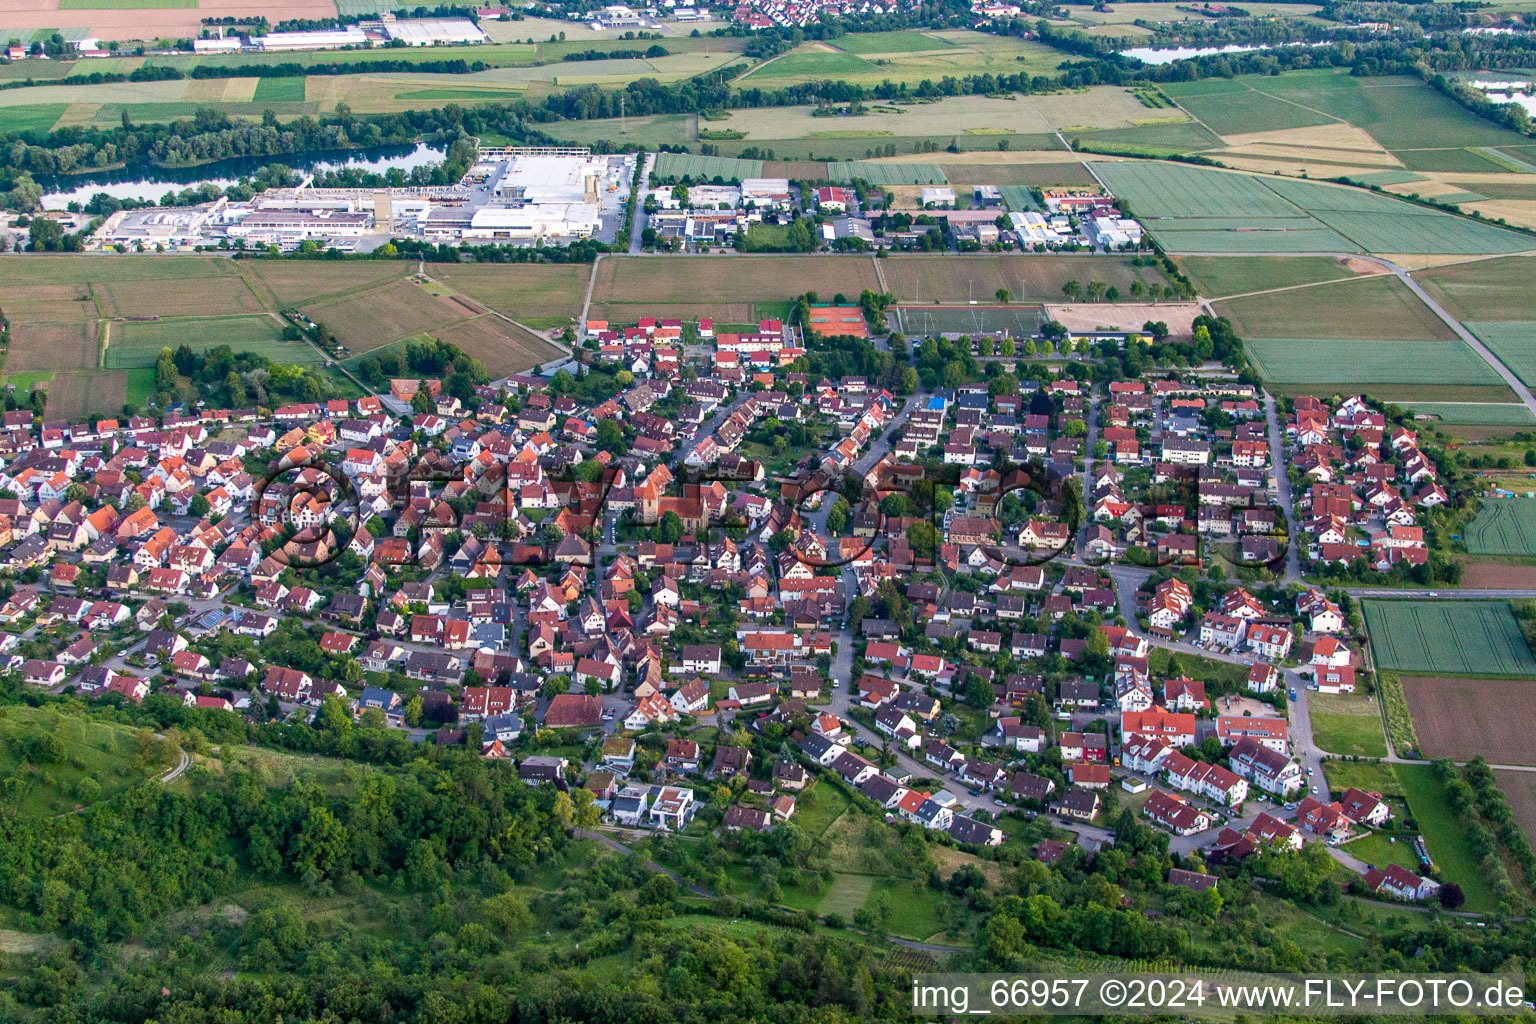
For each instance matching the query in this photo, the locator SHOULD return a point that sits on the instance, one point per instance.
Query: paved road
(637, 216)
(175, 773)
(1449, 595)
(1283, 487)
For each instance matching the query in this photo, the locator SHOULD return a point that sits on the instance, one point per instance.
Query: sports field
(1216, 276)
(1193, 209)
(673, 166)
(1374, 307)
(1462, 718)
(138, 342)
(1514, 342)
(967, 278)
(1448, 637)
(1015, 321)
(1313, 361)
(1504, 526)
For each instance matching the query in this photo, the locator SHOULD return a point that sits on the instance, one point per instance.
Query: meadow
(91, 760)
(1443, 834)
(1507, 414)
(1348, 724)
(1504, 526)
(522, 291)
(1448, 637)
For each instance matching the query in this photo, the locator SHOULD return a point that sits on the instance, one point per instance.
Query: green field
(1153, 140)
(890, 42)
(1362, 309)
(1443, 834)
(1504, 526)
(1514, 342)
(31, 117)
(138, 343)
(1483, 290)
(1379, 851)
(1231, 106)
(1215, 276)
(1494, 414)
(1347, 724)
(672, 166)
(887, 174)
(1192, 209)
(1357, 361)
(1448, 637)
(279, 90)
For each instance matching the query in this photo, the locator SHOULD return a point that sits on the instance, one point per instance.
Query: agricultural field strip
(1171, 199)
(1503, 526)
(1448, 638)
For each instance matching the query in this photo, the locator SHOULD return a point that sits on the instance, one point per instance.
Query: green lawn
(818, 807)
(138, 343)
(1347, 724)
(1378, 851)
(1442, 833)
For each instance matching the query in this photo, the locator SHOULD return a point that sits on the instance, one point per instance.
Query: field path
(880, 276)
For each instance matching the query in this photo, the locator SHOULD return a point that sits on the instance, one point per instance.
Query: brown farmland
(286, 283)
(502, 347)
(1493, 576)
(1460, 718)
(964, 278)
(366, 320)
(1520, 788)
(662, 285)
(47, 303)
(74, 396)
(198, 297)
(52, 347)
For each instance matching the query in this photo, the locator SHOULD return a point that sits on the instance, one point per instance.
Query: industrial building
(328, 39)
(431, 31)
(511, 195)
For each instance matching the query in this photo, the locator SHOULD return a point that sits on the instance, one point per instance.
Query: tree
(670, 529)
(198, 506)
(610, 435)
(1003, 295)
(1451, 896)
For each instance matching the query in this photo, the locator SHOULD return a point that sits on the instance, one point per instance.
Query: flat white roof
(435, 30)
(352, 36)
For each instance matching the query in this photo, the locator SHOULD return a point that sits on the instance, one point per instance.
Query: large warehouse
(432, 31)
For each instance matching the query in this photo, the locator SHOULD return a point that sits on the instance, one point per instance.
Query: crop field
(1193, 209)
(75, 395)
(887, 174)
(977, 278)
(1045, 175)
(1362, 361)
(1375, 307)
(1015, 321)
(1347, 724)
(502, 347)
(522, 291)
(138, 342)
(52, 347)
(288, 283)
(31, 117)
(1462, 718)
(1448, 637)
(1504, 526)
(671, 166)
(727, 289)
(1485, 290)
(47, 303)
(1507, 414)
(1167, 138)
(1216, 276)
(366, 320)
(1514, 342)
(1232, 106)
(174, 298)
(913, 57)
(1520, 789)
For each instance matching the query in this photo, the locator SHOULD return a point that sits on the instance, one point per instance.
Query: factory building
(431, 31)
(330, 39)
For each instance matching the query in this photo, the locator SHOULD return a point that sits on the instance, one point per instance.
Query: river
(139, 183)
